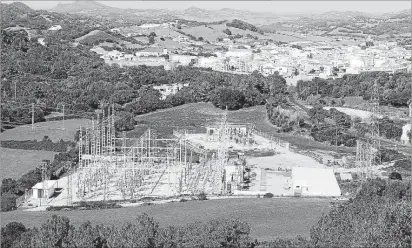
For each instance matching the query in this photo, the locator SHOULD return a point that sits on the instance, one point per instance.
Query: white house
(44, 190)
(55, 28)
(149, 25)
(166, 89)
(314, 182)
(267, 69)
(404, 137)
(151, 51)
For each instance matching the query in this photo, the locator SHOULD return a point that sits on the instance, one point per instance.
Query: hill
(96, 36)
(117, 15)
(87, 7)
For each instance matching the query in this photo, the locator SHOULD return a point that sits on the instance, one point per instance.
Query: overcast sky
(257, 6)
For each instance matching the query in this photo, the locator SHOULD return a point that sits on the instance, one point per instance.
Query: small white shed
(314, 182)
(405, 138)
(44, 191)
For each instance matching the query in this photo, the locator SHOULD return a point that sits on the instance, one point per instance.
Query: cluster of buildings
(294, 61)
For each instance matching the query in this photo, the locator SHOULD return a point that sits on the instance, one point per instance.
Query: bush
(404, 164)
(225, 97)
(143, 232)
(202, 196)
(11, 233)
(8, 202)
(379, 216)
(268, 195)
(395, 176)
(126, 122)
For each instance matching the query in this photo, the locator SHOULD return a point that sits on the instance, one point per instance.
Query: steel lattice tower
(374, 128)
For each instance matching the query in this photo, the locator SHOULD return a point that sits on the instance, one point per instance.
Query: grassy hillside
(96, 36)
(51, 129)
(15, 162)
(196, 116)
(268, 218)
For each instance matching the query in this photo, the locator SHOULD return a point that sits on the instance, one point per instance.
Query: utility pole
(15, 90)
(63, 118)
(32, 116)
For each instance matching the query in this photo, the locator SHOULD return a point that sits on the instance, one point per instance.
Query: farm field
(51, 129)
(268, 218)
(16, 162)
(195, 116)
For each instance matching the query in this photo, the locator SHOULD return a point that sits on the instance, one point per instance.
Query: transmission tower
(44, 166)
(68, 167)
(374, 126)
(221, 155)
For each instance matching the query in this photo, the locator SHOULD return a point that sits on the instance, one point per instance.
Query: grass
(96, 35)
(196, 116)
(16, 162)
(268, 218)
(51, 129)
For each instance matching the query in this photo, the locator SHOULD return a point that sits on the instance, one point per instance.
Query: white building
(149, 25)
(55, 28)
(169, 89)
(151, 51)
(314, 182)
(44, 190)
(239, 53)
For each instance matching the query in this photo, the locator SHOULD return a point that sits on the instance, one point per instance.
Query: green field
(53, 129)
(268, 218)
(196, 116)
(16, 162)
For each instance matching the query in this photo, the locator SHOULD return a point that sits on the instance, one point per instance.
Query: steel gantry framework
(112, 167)
(368, 150)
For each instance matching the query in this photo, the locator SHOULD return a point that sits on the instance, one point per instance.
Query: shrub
(404, 164)
(395, 176)
(10, 233)
(8, 202)
(268, 195)
(202, 196)
(379, 216)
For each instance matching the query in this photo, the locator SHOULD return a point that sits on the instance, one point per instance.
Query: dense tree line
(143, 232)
(394, 89)
(45, 145)
(379, 216)
(243, 25)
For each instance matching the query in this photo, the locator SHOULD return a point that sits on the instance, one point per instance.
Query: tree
(379, 216)
(57, 231)
(225, 97)
(126, 122)
(227, 31)
(395, 176)
(8, 202)
(9, 185)
(11, 233)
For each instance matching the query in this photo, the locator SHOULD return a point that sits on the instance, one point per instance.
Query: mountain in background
(13, 11)
(95, 9)
(203, 15)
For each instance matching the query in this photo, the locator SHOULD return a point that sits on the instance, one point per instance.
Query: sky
(256, 6)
